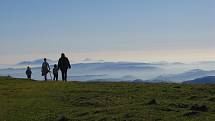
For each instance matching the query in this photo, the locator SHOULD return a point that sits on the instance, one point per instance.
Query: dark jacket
(45, 68)
(63, 63)
(55, 71)
(28, 72)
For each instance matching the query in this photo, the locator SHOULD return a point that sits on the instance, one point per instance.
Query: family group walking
(63, 65)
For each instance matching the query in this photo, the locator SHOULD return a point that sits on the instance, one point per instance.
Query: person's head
(62, 55)
(55, 65)
(28, 68)
(45, 59)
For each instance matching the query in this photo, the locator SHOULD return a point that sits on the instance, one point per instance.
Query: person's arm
(58, 65)
(42, 68)
(48, 66)
(68, 63)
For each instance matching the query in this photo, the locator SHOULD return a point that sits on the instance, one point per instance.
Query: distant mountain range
(126, 78)
(179, 78)
(189, 75)
(119, 71)
(203, 80)
(35, 62)
(205, 62)
(115, 66)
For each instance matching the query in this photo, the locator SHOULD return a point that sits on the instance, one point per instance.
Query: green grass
(24, 100)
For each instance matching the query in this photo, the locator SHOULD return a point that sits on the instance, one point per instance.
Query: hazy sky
(154, 30)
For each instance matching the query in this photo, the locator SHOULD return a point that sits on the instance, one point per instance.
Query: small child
(28, 72)
(55, 72)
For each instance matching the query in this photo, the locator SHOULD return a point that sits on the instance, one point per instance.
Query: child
(28, 72)
(55, 72)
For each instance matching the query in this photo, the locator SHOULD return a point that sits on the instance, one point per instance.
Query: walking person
(28, 72)
(45, 69)
(64, 65)
(55, 72)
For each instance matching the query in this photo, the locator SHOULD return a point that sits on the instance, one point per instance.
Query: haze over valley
(101, 70)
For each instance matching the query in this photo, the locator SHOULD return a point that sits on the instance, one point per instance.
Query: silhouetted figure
(45, 69)
(63, 65)
(55, 72)
(28, 72)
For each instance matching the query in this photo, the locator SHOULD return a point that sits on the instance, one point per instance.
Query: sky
(120, 30)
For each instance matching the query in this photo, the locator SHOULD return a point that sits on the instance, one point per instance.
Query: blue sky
(180, 30)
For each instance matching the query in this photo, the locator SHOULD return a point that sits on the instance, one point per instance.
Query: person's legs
(65, 75)
(62, 72)
(45, 76)
(29, 76)
(57, 77)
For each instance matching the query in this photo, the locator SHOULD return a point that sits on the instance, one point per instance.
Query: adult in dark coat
(45, 69)
(64, 65)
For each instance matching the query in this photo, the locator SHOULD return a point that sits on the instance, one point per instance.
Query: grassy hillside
(24, 100)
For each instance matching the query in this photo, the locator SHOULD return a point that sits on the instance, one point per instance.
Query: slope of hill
(203, 80)
(25, 100)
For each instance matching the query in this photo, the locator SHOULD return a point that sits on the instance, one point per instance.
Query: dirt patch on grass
(152, 102)
(197, 107)
(179, 105)
(192, 113)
